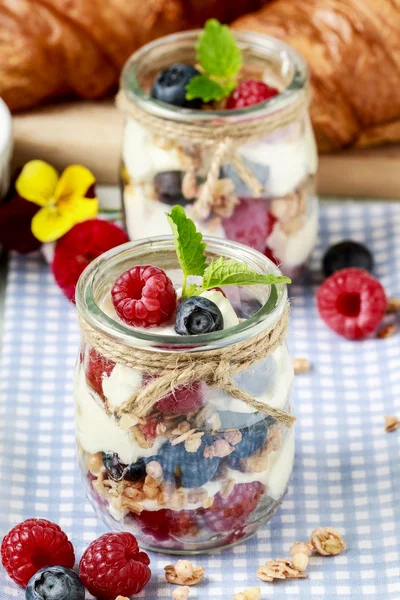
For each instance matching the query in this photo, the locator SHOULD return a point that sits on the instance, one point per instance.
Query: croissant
(52, 48)
(353, 50)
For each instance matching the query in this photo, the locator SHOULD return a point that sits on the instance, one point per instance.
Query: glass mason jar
(192, 482)
(280, 220)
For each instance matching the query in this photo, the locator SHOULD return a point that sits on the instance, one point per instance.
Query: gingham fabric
(347, 468)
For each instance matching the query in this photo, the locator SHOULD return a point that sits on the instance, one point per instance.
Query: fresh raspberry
(77, 248)
(97, 367)
(165, 524)
(32, 545)
(231, 513)
(352, 303)
(250, 224)
(113, 566)
(144, 296)
(249, 92)
(182, 400)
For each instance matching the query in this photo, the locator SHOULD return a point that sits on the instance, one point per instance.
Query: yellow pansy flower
(62, 198)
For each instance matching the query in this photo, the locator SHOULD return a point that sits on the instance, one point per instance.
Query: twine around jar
(222, 137)
(216, 367)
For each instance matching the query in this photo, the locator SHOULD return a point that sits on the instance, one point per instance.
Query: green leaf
(217, 51)
(192, 290)
(188, 243)
(231, 272)
(203, 87)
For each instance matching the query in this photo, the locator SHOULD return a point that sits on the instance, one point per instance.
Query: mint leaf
(203, 87)
(231, 272)
(192, 290)
(188, 243)
(217, 51)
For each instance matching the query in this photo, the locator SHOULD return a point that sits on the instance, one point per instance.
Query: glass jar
(159, 171)
(208, 475)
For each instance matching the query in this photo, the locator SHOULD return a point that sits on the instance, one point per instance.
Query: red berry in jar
(249, 92)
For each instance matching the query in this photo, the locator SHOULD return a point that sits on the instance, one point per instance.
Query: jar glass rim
(246, 39)
(91, 312)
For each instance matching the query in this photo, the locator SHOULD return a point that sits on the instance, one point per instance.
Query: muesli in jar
(217, 121)
(183, 389)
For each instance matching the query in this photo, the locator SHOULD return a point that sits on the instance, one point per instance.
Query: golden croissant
(353, 50)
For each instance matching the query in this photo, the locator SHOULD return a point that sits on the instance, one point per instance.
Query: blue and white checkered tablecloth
(347, 469)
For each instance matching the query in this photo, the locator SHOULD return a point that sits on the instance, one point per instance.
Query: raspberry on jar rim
(144, 296)
(249, 92)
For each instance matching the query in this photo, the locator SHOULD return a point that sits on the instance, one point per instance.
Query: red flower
(16, 215)
(77, 248)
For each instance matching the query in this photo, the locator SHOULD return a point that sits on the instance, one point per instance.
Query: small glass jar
(158, 171)
(191, 482)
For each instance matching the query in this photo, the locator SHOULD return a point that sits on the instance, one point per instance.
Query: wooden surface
(90, 133)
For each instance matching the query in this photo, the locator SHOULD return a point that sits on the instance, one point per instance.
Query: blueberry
(136, 470)
(197, 315)
(170, 84)
(188, 469)
(347, 254)
(253, 438)
(168, 188)
(114, 467)
(55, 583)
(118, 470)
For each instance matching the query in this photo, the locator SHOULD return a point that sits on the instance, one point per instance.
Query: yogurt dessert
(192, 468)
(165, 163)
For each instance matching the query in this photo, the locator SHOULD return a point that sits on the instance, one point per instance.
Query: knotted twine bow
(222, 137)
(172, 369)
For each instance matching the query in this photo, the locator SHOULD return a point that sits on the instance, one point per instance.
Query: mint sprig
(188, 243)
(223, 272)
(218, 273)
(220, 60)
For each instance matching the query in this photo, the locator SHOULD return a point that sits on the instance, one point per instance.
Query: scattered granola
(184, 573)
(181, 593)
(393, 305)
(387, 331)
(281, 568)
(391, 423)
(251, 593)
(301, 365)
(300, 561)
(327, 541)
(301, 548)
